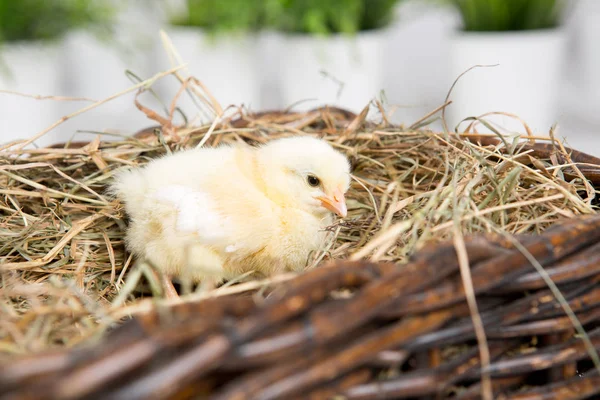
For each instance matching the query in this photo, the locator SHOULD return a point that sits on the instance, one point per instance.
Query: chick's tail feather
(129, 186)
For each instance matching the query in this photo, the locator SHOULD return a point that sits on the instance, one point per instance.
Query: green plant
(509, 15)
(49, 19)
(220, 16)
(332, 16)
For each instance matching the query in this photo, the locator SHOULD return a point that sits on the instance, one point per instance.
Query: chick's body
(228, 210)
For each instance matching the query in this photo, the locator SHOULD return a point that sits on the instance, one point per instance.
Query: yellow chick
(228, 210)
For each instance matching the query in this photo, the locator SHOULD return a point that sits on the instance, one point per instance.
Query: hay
(66, 276)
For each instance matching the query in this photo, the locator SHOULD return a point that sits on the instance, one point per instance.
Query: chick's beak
(336, 203)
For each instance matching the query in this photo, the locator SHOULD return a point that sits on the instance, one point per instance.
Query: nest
(362, 330)
(387, 317)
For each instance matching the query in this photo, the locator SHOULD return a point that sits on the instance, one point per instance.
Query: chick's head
(306, 173)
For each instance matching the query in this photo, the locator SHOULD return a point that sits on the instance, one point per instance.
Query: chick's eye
(313, 180)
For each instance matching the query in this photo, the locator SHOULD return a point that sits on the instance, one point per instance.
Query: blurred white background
(415, 75)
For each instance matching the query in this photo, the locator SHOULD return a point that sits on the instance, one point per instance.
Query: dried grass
(65, 274)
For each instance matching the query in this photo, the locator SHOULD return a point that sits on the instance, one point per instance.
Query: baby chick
(232, 209)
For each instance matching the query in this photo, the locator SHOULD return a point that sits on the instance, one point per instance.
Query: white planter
(269, 50)
(95, 69)
(415, 83)
(582, 90)
(32, 69)
(525, 83)
(589, 32)
(337, 70)
(226, 65)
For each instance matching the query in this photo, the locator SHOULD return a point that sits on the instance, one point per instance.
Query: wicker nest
(443, 280)
(363, 331)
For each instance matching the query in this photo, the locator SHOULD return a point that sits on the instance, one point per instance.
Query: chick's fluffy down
(232, 209)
